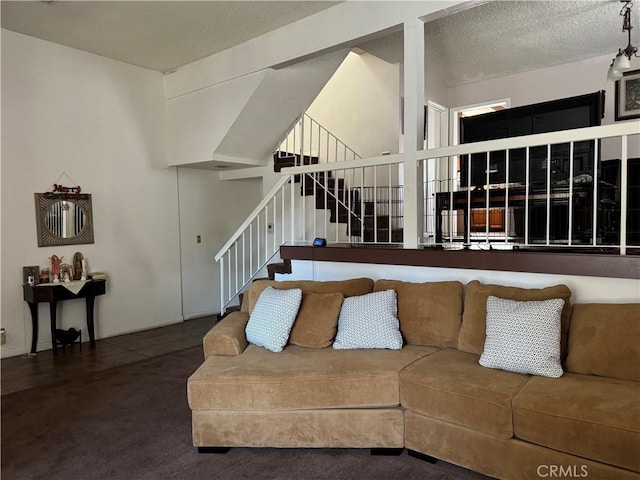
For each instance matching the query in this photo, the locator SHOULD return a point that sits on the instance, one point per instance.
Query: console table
(52, 294)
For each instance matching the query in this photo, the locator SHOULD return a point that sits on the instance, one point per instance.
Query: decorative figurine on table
(55, 267)
(77, 265)
(66, 272)
(85, 272)
(44, 275)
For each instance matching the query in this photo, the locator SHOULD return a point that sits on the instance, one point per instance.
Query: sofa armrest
(227, 337)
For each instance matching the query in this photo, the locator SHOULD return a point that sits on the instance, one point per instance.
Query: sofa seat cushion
(301, 378)
(584, 415)
(450, 385)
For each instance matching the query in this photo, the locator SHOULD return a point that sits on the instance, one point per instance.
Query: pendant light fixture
(622, 62)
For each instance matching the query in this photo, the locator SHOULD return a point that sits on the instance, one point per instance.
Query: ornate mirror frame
(46, 238)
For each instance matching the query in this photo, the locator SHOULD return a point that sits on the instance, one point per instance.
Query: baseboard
(12, 352)
(193, 316)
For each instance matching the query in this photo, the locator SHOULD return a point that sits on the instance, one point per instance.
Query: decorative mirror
(64, 217)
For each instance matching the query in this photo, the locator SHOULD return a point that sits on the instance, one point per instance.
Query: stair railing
(247, 253)
(345, 203)
(352, 206)
(386, 212)
(310, 142)
(285, 217)
(309, 138)
(255, 242)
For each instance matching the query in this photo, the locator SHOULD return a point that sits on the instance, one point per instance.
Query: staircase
(382, 206)
(285, 214)
(329, 192)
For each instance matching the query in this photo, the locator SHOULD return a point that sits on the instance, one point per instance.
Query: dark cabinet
(550, 169)
(565, 114)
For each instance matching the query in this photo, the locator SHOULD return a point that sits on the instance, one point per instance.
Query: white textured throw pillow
(523, 337)
(369, 321)
(272, 318)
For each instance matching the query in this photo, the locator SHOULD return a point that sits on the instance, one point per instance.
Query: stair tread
(283, 267)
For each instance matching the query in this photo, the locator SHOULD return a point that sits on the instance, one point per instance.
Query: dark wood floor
(20, 373)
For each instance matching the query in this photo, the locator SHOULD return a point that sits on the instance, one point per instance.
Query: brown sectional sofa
(432, 396)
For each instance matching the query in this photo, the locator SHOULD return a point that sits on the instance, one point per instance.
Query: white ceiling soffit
(159, 35)
(275, 105)
(501, 38)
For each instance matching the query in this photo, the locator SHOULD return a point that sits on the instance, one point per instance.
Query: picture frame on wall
(31, 275)
(628, 96)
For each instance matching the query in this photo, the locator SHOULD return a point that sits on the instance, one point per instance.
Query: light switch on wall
(198, 239)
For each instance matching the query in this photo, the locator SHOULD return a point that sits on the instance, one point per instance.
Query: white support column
(413, 130)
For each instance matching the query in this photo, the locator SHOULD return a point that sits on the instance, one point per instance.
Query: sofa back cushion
(604, 340)
(317, 320)
(429, 313)
(474, 318)
(348, 288)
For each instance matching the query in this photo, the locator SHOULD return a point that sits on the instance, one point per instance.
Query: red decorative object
(66, 193)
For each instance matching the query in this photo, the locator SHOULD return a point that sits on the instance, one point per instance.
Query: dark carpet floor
(133, 422)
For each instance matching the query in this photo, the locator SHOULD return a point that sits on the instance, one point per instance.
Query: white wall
(360, 105)
(552, 83)
(103, 123)
(212, 209)
(583, 289)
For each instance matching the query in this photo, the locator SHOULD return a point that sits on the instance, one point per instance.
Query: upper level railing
(559, 189)
(562, 189)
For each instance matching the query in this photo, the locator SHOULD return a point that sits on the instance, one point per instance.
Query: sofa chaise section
(301, 397)
(316, 397)
(300, 378)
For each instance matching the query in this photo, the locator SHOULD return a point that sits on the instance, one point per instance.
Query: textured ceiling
(498, 38)
(160, 35)
(494, 38)
(504, 37)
